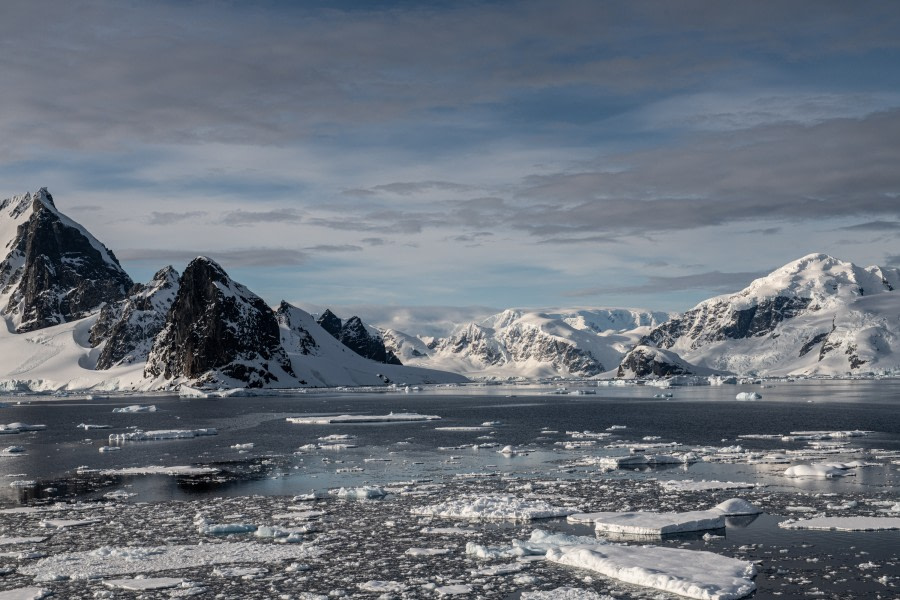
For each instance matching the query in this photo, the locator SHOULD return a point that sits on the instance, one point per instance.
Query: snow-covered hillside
(532, 344)
(815, 315)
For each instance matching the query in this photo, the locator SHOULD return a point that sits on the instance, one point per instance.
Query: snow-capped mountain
(75, 321)
(126, 329)
(353, 333)
(815, 315)
(530, 344)
(52, 270)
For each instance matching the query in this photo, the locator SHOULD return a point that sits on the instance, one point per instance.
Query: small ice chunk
(161, 434)
(427, 551)
(359, 493)
(65, 523)
(453, 590)
(748, 396)
(382, 587)
(109, 449)
(6, 540)
(680, 485)
(392, 417)
(12, 450)
(737, 507)
(818, 470)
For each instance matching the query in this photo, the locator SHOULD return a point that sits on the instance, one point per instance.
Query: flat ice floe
(161, 434)
(680, 485)
(691, 573)
(29, 593)
(388, 418)
(820, 470)
(651, 523)
(565, 593)
(107, 561)
(6, 540)
(142, 585)
(161, 470)
(844, 523)
(495, 508)
(136, 408)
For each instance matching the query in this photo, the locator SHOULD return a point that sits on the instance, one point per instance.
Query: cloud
(243, 218)
(892, 260)
(248, 257)
(373, 241)
(334, 248)
(170, 218)
(712, 281)
(475, 236)
(410, 188)
(434, 321)
(873, 226)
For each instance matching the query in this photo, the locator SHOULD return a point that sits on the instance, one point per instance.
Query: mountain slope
(52, 270)
(815, 315)
(532, 344)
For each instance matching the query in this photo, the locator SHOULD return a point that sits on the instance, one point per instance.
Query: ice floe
(27, 593)
(136, 408)
(144, 584)
(392, 417)
(162, 434)
(495, 508)
(565, 593)
(682, 485)
(651, 523)
(748, 396)
(820, 470)
(691, 573)
(161, 470)
(844, 523)
(107, 561)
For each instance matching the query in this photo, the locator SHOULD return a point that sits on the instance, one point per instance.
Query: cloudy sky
(462, 154)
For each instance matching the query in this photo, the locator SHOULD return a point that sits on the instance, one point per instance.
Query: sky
(429, 158)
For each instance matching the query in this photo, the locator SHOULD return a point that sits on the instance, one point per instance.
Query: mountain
(815, 315)
(359, 337)
(53, 271)
(532, 344)
(319, 358)
(218, 332)
(127, 328)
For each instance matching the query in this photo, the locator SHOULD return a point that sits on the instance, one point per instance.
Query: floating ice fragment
(565, 593)
(453, 590)
(392, 417)
(9, 540)
(160, 470)
(844, 523)
(819, 470)
(382, 587)
(88, 426)
(748, 396)
(691, 573)
(427, 551)
(737, 507)
(109, 449)
(162, 434)
(495, 508)
(651, 523)
(359, 493)
(136, 408)
(29, 593)
(143, 585)
(704, 486)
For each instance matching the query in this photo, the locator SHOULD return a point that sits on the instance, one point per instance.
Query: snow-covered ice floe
(651, 523)
(844, 523)
(748, 396)
(691, 573)
(681, 485)
(636, 460)
(495, 508)
(29, 593)
(822, 470)
(107, 561)
(161, 434)
(144, 585)
(136, 408)
(565, 593)
(388, 418)
(365, 492)
(20, 427)
(161, 470)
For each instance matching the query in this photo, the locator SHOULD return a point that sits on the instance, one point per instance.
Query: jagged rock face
(356, 336)
(55, 271)
(128, 327)
(331, 323)
(299, 339)
(716, 321)
(644, 361)
(218, 327)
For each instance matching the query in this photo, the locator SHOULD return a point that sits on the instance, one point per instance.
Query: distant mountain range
(75, 320)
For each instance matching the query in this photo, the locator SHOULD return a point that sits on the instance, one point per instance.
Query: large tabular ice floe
(691, 573)
(844, 523)
(13, 428)
(107, 561)
(389, 418)
(565, 593)
(495, 508)
(162, 434)
(650, 523)
(161, 470)
(685, 485)
(146, 584)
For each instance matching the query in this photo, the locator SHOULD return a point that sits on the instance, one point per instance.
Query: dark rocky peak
(295, 337)
(54, 270)
(218, 332)
(330, 322)
(129, 327)
(645, 361)
(356, 336)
